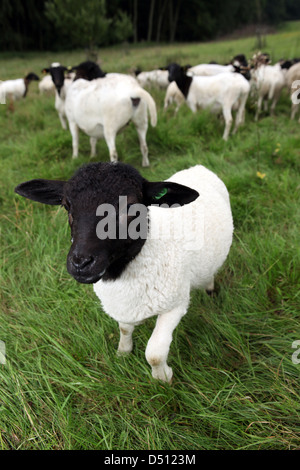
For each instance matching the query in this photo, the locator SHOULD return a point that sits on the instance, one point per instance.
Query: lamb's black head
(31, 76)
(239, 59)
(245, 71)
(175, 71)
(107, 208)
(286, 64)
(88, 70)
(57, 73)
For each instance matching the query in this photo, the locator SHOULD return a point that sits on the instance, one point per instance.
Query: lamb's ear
(44, 191)
(165, 192)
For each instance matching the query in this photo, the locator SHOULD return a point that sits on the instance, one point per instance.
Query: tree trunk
(173, 19)
(160, 20)
(135, 21)
(150, 24)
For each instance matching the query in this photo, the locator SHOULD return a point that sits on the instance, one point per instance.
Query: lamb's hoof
(123, 353)
(213, 292)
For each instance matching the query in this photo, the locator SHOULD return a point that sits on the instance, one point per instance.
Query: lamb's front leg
(159, 343)
(125, 343)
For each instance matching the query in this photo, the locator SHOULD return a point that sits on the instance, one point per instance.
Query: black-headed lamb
(62, 77)
(143, 258)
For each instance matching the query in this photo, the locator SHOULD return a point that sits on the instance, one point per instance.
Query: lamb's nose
(80, 262)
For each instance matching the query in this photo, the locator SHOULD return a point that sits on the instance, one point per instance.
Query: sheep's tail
(144, 95)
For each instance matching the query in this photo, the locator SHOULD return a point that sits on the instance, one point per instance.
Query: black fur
(88, 70)
(177, 74)
(90, 258)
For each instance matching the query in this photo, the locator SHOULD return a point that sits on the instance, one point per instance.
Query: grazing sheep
(222, 92)
(293, 84)
(213, 68)
(16, 89)
(209, 69)
(238, 64)
(46, 84)
(102, 107)
(158, 78)
(151, 257)
(268, 80)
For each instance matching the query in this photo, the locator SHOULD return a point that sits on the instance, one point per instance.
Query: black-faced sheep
(222, 92)
(143, 258)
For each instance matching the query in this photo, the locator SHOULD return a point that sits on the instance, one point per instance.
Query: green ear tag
(161, 193)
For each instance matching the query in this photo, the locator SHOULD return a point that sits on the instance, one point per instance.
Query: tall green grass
(235, 385)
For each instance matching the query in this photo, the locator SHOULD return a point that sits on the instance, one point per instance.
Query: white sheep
(222, 92)
(134, 277)
(102, 107)
(268, 82)
(16, 89)
(209, 69)
(46, 84)
(157, 77)
(174, 95)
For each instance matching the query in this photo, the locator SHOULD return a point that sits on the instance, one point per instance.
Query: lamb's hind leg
(240, 115)
(110, 138)
(93, 143)
(210, 287)
(228, 121)
(140, 120)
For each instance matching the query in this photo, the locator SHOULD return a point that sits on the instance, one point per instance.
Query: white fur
(173, 95)
(159, 280)
(222, 92)
(102, 107)
(209, 69)
(46, 84)
(158, 78)
(13, 89)
(268, 81)
(60, 100)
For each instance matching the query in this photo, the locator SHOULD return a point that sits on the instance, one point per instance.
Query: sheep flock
(145, 273)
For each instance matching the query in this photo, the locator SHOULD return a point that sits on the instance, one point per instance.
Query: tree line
(67, 24)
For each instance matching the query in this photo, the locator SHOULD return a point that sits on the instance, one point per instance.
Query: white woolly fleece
(13, 88)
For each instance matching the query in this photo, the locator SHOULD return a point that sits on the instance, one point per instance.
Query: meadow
(236, 385)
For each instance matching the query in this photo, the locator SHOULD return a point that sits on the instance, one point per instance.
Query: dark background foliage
(57, 24)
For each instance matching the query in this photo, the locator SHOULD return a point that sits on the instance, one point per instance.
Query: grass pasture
(235, 384)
